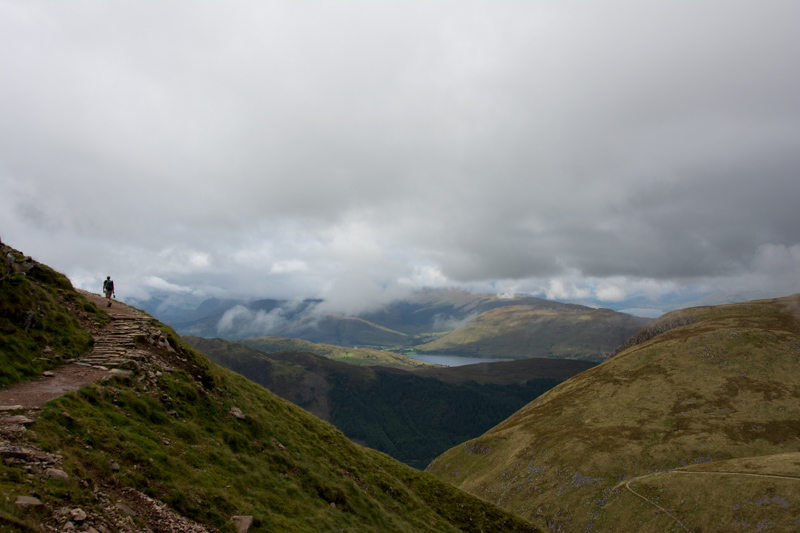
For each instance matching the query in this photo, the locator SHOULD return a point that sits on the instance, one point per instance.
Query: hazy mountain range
(451, 322)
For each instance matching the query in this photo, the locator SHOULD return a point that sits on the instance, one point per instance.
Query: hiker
(108, 289)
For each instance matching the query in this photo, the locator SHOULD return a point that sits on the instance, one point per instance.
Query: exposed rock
(237, 413)
(113, 465)
(15, 452)
(78, 515)
(17, 419)
(55, 473)
(11, 407)
(243, 523)
(125, 509)
(28, 502)
(48, 374)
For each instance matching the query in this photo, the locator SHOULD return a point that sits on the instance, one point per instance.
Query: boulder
(16, 420)
(78, 515)
(237, 413)
(242, 523)
(125, 509)
(55, 473)
(28, 502)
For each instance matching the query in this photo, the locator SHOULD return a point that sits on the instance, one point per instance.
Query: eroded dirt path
(34, 394)
(114, 346)
(128, 344)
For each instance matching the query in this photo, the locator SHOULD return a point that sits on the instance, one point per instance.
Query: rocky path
(126, 341)
(122, 345)
(127, 344)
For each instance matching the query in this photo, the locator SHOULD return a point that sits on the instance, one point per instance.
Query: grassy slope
(722, 385)
(353, 356)
(412, 418)
(532, 331)
(508, 372)
(35, 304)
(171, 432)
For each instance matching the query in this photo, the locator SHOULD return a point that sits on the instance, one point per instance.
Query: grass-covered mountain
(541, 330)
(412, 415)
(692, 403)
(180, 433)
(353, 356)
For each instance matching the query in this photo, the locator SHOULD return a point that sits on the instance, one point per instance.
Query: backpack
(108, 285)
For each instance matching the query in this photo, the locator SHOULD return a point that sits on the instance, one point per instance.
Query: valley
(411, 413)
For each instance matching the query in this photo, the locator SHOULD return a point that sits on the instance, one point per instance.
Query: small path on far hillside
(651, 502)
(676, 471)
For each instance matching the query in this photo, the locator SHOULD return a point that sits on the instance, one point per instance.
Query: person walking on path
(108, 289)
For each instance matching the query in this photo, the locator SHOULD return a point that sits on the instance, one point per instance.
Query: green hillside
(39, 314)
(353, 356)
(344, 331)
(711, 386)
(562, 331)
(408, 416)
(203, 440)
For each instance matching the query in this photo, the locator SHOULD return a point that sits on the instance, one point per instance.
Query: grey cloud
(513, 142)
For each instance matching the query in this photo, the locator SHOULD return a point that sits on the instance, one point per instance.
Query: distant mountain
(542, 330)
(353, 356)
(689, 408)
(411, 416)
(443, 321)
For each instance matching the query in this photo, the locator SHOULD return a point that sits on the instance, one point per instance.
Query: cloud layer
(353, 151)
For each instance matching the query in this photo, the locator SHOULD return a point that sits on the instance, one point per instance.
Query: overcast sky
(595, 150)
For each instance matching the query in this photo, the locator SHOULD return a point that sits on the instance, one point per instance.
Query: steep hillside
(410, 417)
(353, 356)
(562, 331)
(508, 372)
(697, 386)
(173, 442)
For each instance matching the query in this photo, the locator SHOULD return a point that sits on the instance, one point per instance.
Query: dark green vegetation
(449, 322)
(715, 387)
(38, 324)
(353, 356)
(169, 432)
(403, 413)
(541, 330)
